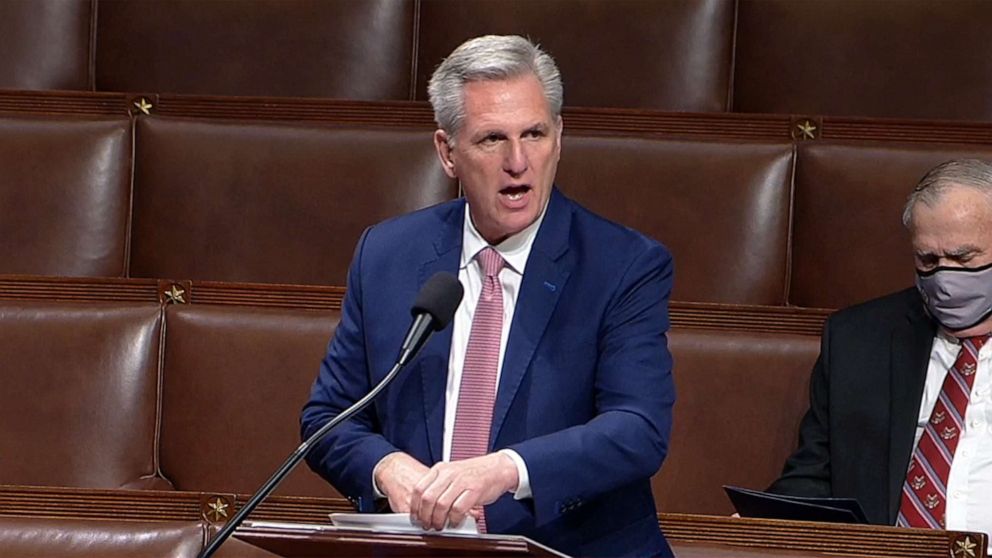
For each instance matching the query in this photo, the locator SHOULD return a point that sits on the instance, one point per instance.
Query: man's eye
(533, 134)
(491, 139)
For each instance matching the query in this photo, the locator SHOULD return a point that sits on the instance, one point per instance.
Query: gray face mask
(958, 298)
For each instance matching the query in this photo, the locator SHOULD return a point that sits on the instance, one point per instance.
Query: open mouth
(515, 193)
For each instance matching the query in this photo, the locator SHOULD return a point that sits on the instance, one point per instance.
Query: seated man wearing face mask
(901, 396)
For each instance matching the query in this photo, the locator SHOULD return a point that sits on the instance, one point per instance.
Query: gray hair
(489, 58)
(970, 173)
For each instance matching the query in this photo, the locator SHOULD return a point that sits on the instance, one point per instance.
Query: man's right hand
(396, 476)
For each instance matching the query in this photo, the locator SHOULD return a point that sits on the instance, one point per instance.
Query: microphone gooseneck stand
(432, 311)
(293, 460)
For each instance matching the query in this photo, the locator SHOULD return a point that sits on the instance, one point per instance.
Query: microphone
(432, 311)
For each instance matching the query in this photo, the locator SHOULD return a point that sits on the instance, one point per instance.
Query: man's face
(505, 154)
(954, 232)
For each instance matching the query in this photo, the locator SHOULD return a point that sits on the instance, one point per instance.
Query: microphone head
(439, 297)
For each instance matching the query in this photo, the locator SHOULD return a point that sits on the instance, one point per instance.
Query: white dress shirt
(969, 484)
(515, 250)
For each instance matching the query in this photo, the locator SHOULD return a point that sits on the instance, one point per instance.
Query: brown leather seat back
(359, 49)
(243, 201)
(80, 393)
(46, 44)
(30, 537)
(64, 195)
(722, 208)
(235, 380)
(739, 398)
(911, 59)
(849, 242)
(616, 53)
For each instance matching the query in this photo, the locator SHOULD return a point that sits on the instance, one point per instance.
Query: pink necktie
(924, 494)
(477, 393)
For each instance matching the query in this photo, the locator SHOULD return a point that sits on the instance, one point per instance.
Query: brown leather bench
(107, 394)
(65, 195)
(699, 55)
(51, 537)
(613, 53)
(234, 381)
(46, 44)
(811, 224)
(359, 49)
(80, 398)
(722, 208)
(387, 49)
(848, 243)
(864, 58)
(265, 202)
(739, 398)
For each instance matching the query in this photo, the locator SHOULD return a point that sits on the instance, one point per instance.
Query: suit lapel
(910, 356)
(544, 279)
(433, 360)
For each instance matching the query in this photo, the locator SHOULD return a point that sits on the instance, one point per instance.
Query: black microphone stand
(293, 460)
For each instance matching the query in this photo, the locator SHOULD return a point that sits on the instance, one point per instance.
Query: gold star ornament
(964, 548)
(217, 510)
(143, 105)
(175, 295)
(807, 130)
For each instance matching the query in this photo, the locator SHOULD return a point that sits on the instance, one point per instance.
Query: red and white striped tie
(477, 393)
(924, 494)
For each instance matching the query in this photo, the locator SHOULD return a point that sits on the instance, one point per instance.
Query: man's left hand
(450, 490)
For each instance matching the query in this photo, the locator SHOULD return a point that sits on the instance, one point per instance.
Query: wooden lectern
(306, 540)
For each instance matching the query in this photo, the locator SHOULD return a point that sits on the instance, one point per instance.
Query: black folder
(754, 503)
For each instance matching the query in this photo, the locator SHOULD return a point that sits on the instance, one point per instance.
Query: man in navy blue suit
(557, 360)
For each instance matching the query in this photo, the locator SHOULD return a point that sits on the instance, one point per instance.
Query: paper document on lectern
(397, 523)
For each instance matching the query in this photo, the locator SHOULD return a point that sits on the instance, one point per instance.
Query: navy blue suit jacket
(585, 394)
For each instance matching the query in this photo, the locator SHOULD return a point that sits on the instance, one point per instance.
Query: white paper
(397, 523)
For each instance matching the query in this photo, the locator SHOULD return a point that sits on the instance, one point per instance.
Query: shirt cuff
(375, 488)
(523, 484)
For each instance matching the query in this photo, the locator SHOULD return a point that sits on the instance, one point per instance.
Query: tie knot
(491, 261)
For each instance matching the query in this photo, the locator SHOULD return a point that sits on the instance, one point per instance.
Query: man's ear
(443, 149)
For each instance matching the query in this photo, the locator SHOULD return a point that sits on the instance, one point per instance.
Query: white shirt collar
(946, 347)
(515, 249)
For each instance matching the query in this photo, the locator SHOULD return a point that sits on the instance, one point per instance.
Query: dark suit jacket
(857, 437)
(585, 394)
